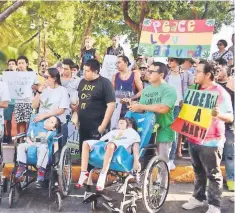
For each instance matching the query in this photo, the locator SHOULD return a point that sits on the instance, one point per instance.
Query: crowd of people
(66, 88)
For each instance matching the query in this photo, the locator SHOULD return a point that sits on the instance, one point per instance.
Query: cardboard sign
(195, 116)
(176, 38)
(109, 67)
(73, 141)
(116, 114)
(19, 84)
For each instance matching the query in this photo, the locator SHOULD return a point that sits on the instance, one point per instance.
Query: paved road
(33, 201)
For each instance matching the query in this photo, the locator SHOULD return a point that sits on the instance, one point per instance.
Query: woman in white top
(52, 99)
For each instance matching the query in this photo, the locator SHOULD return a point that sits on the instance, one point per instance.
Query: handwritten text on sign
(19, 84)
(195, 116)
(109, 67)
(176, 38)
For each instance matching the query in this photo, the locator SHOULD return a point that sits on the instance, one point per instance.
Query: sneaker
(83, 177)
(41, 174)
(101, 182)
(193, 203)
(231, 185)
(213, 209)
(171, 165)
(39, 184)
(20, 171)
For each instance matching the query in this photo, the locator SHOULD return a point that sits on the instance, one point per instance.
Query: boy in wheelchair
(125, 136)
(39, 134)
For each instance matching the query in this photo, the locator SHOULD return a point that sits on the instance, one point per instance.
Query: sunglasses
(219, 44)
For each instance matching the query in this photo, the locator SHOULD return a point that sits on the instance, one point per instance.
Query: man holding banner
(212, 107)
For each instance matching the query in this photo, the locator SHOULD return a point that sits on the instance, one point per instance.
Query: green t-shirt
(163, 94)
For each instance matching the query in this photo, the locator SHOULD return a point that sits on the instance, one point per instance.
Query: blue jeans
(229, 154)
(174, 144)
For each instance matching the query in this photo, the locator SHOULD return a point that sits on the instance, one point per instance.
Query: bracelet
(39, 92)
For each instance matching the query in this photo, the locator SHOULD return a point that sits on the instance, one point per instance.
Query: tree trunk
(205, 10)
(87, 31)
(136, 27)
(133, 25)
(10, 10)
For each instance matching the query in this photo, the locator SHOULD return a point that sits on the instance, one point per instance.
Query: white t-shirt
(4, 96)
(53, 99)
(175, 81)
(72, 87)
(29, 99)
(126, 139)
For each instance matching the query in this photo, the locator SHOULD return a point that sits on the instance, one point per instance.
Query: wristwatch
(39, 92)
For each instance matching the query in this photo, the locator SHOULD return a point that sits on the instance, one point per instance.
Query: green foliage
(69, 20)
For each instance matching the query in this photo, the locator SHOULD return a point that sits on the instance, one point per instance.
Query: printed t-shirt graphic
(93, 99)
(163, 94)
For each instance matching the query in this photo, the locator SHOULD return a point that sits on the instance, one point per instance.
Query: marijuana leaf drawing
(206, 54)
(210, 22)
(19, 92)
(45, 105)
(147, 22)
(141, 50)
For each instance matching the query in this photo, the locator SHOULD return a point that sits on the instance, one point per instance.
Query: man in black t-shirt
(96, 103)
(115, 49)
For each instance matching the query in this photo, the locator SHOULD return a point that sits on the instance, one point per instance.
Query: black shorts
(85, 134)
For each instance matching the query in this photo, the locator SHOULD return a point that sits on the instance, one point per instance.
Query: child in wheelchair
(38, 135)
(124, 135)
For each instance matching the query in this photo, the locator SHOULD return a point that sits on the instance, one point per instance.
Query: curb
(182, 174)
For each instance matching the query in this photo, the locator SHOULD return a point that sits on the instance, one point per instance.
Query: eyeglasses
(152, 71)
(219, 44)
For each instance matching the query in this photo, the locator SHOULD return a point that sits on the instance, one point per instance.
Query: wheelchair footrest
(90, 198)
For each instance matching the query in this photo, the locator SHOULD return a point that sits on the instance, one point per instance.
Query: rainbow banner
(195, 116)
(176, 38)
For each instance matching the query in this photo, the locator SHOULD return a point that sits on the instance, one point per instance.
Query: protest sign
(195, 116)
(116, 114)
(176, 38)
(109, 67)
(19, 84)
(73, 142)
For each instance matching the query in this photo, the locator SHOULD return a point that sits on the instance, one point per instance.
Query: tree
(11, 9)
(69, 22)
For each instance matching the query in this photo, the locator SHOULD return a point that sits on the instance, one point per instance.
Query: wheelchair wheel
(58, 201)
(156, 184)
(65, 171)
(11, 197)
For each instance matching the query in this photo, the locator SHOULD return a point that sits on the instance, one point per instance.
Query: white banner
(19, 83)
(109, 67)
(116, 114)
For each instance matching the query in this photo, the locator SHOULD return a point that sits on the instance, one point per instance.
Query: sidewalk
(182, 174)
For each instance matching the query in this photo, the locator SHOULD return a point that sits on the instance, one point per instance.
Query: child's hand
(137, 166)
